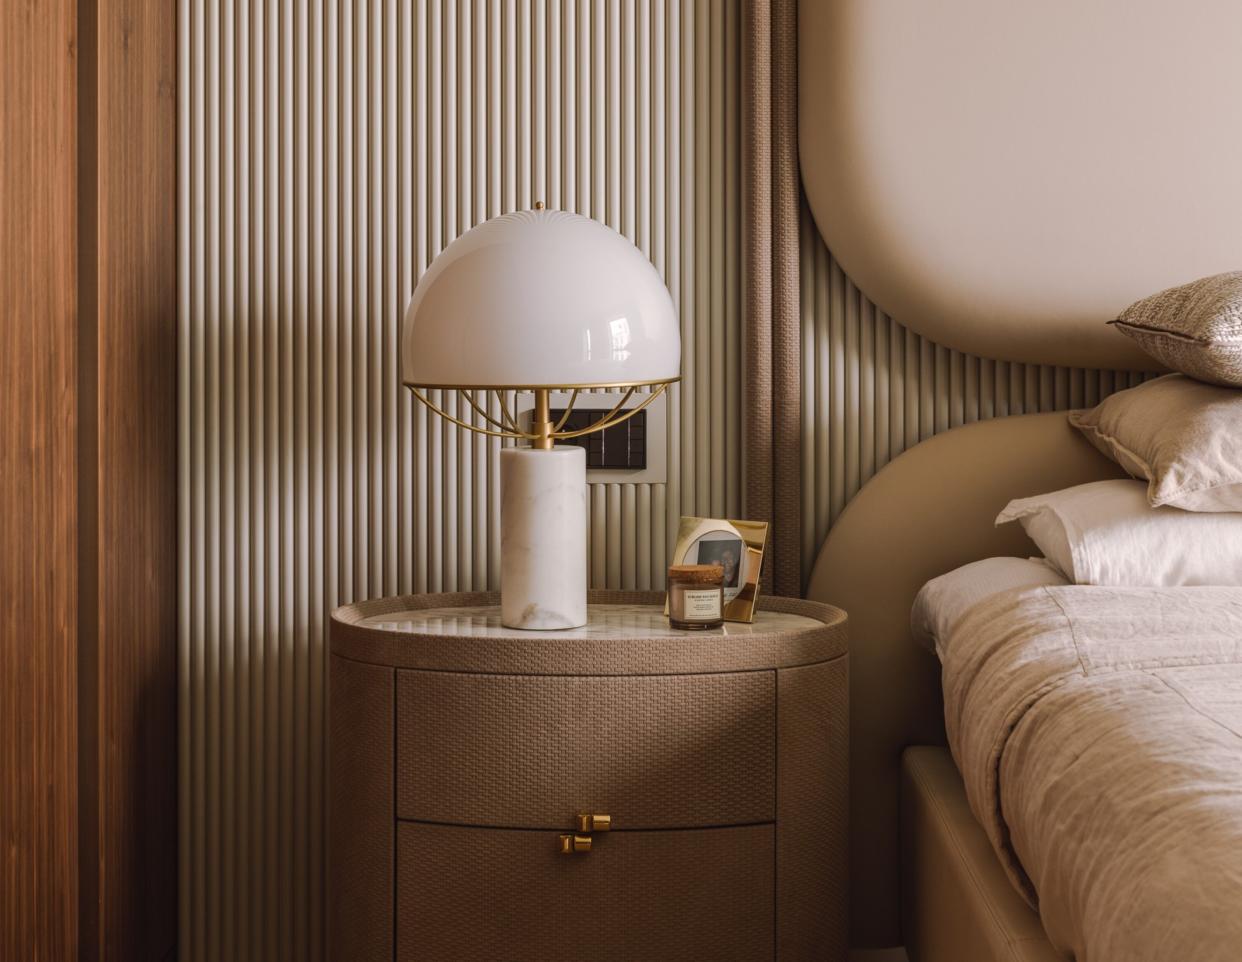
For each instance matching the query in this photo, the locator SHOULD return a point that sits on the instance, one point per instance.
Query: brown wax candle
(695, 596)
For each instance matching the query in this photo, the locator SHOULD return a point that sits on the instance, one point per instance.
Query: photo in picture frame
(737, 546)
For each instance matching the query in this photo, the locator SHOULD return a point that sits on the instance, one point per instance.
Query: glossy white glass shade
(540, 298)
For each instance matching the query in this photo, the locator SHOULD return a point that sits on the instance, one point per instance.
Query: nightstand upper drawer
(529, 751)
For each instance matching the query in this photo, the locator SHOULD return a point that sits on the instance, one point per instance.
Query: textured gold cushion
(1183, 436)
(1195, 328)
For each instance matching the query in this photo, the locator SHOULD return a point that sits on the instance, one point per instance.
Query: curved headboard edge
(928, 511)
(1000, 179)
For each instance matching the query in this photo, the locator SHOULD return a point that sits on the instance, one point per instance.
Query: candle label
(701, 605)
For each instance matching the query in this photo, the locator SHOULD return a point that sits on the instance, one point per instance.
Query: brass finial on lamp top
(540, 301)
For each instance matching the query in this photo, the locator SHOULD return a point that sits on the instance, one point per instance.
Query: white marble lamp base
(543, 569)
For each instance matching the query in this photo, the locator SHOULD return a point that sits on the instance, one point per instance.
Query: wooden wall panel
(135, 477)
(38, 483)
(87, 480)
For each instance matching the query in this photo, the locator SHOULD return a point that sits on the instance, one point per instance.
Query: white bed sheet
(942, 602)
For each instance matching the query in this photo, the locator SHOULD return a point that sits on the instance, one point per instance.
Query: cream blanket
(1099, 733)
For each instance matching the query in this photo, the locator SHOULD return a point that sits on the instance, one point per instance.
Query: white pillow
(942, 602)
(1105, 533)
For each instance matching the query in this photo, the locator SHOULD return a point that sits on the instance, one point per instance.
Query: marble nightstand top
(619, 621)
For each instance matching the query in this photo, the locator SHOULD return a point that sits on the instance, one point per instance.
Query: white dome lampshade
(540, 298)
(540, 301)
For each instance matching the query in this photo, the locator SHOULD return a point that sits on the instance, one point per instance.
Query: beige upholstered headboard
(925, 513)
(1003, 178)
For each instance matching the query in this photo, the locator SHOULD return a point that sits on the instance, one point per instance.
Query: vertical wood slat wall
(128, 540)
(328, 151)
(38, 483)
(87, 480)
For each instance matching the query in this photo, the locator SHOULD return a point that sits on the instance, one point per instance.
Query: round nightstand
(621, 791)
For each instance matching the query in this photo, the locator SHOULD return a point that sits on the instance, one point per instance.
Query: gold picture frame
(735, 545)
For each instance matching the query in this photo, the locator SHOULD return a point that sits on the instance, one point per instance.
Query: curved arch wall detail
(871, 388)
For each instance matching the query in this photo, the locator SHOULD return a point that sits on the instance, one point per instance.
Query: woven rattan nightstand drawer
(529, 751)
(466, 894)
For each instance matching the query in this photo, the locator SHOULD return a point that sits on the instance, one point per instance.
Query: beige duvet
(1099, 733)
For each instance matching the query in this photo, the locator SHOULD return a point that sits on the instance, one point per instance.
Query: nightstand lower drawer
(466, 894)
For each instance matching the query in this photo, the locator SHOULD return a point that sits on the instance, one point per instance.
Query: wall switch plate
(622, 447)
(634, 452)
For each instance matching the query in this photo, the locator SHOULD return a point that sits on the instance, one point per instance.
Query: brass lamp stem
(541, 425)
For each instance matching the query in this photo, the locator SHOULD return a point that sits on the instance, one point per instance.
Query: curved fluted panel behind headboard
(873, 388)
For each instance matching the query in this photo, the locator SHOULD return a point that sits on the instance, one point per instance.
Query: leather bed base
(956, 903)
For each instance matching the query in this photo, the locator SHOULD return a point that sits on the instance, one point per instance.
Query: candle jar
(695, 596)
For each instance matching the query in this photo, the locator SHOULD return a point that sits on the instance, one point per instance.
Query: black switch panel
(621, 447)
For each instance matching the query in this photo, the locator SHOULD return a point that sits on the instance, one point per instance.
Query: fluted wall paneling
(327, 152)
(872, 388)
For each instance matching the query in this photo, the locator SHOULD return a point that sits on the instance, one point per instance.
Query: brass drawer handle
(575, 844)
(594, 823)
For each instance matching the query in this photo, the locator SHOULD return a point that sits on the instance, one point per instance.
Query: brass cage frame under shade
(543, 433)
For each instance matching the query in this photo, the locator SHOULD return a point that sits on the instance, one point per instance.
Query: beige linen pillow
(1183, 436)
(1195, 328)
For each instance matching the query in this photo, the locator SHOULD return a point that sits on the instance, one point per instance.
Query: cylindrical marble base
(543, 563)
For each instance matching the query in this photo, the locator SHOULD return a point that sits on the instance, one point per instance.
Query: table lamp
(540, 301)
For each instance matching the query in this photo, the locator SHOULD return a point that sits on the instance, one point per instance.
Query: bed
(939, 890)
(1158, 662)
(1098, 731)
(1003, 178)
